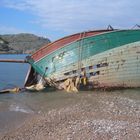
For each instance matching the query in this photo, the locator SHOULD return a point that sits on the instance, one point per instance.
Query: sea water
(12, 74)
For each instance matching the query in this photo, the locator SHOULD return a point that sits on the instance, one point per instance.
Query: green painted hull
(109, 60)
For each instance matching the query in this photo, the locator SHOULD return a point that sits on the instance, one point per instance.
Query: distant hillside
(21, 43)
(4, 46)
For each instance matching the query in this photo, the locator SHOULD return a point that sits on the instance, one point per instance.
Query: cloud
(78, 15)
(9, 30)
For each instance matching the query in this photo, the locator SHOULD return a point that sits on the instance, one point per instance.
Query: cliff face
(21, 43)
(4, 46)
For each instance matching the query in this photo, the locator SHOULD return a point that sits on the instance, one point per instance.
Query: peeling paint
(113, 65)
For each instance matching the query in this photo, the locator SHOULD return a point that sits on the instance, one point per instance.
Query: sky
(55, 19)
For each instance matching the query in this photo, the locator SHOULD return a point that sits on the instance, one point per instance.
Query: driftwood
(13, 90)
(69, 85)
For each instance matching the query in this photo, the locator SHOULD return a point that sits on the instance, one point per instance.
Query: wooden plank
(13, 60)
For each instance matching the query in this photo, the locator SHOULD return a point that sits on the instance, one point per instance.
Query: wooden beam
(13, 60)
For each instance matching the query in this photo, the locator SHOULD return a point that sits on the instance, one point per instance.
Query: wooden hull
(107, 59)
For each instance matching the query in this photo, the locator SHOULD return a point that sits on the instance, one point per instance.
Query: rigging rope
(81, 41)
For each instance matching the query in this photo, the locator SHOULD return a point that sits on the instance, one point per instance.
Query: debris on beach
(12, 90)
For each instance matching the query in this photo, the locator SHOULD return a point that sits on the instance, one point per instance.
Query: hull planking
(106, 58)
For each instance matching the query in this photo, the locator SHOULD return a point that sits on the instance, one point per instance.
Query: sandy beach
(91, 116)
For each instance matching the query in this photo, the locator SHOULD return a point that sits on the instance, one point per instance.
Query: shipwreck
(107, 58)
(93, 59)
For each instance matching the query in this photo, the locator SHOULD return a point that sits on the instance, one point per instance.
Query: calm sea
(14, 108)
(12, 74)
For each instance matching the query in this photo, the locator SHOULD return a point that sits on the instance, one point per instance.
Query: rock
(21, 43)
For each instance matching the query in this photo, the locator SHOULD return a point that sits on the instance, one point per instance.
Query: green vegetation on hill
(21, 43)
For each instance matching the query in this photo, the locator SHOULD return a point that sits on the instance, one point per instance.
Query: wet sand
(88, 115)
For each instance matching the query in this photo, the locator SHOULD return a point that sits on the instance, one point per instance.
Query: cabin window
(82, 69)
(74, 71)
(67, 73)
(96, 73)
(104, 64)
(90, 67)
(98, 65)
(91, 73)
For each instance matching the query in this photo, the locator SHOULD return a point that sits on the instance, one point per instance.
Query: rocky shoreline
(93, 116)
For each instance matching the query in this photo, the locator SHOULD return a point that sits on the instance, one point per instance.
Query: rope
(80, 51)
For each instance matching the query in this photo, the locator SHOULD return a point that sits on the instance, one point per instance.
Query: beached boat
(94, 59)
